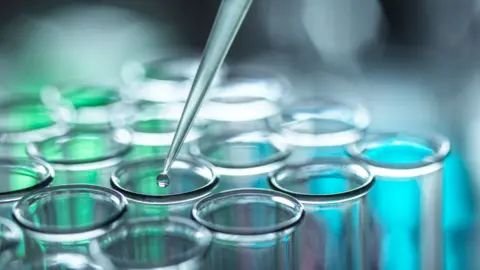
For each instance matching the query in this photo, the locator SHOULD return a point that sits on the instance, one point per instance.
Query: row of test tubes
(262, 183)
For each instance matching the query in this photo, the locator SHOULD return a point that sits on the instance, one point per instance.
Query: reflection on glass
(68, 216)
(52, 261)
(333, 191)
(253, 229)
(406, 201)
(317, 127)
(190, 180)
(166, 80)
(10, 238)
(153, 130)
(243, 160)
(153, 243)
(24, 120)
(91, 106)
(83, 157)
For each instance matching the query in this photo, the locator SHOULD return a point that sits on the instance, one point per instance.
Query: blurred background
(412, 63)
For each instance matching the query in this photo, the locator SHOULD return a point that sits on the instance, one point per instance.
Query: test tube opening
(225, 213)
(323, 181)
(190, 179)
(21, 176)
(171, 242)
(83, 150)
(247, 153)
(39, 212)
(401, 155)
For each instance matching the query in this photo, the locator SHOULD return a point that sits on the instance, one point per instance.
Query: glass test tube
(10, 238)
(333, 192)
(19, 177)
(191, 179)
(24, 120)
(92, 106)
(406, 201)
(253, 229)
(83, 157)
(163, 81)
(153, 243)
(317, 127)
(243, 160)
(52, 261)
(153, 130)
(67, 217)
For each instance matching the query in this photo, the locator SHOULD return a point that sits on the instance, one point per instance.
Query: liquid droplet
(163, 180)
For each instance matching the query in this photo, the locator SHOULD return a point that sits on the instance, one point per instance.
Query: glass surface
(69, 213)
(317, 127)
(252, 228)
(55, 261)
(190, 179)
(173, 75)
(153, 131)
(153, 243)
(10, 235)
(19, 177)
(25, 120)
(333, 192)
(406, 201)
(83, 149)
(92, 106)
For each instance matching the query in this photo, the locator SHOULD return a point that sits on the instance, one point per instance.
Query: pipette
(229, 19)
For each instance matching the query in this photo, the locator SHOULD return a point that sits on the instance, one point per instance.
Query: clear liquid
(163, 180)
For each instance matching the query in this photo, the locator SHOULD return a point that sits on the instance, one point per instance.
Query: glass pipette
(229, 19)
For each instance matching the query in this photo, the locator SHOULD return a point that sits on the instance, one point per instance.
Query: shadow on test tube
(406, 201)
(66, 218)
(190, 180)
(166, 243)
(252, 229)
(333, 192)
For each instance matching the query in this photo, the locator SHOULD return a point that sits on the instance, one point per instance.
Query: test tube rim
(359, 114)
(325, 199)
(198, 251)
(293, 221)
(98, 226)
(58, 128)
(46, 180)
(15, 230)
(58, 89)
(165, 199)
(439, 145)
(284, 151)
(124, 142)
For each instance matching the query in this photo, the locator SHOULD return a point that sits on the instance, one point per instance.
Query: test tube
(252, 229)
(19, 177)
(320, 127)
(165, 80)
(243, 160)
(333, 192)
(83, 157)
(406, 201)
(191, 179)
(248, 100)
(67, 217)
(24, 120)
(92, 105)
(52, 261)
(153, 243)
(10, 238)
(153, 129)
